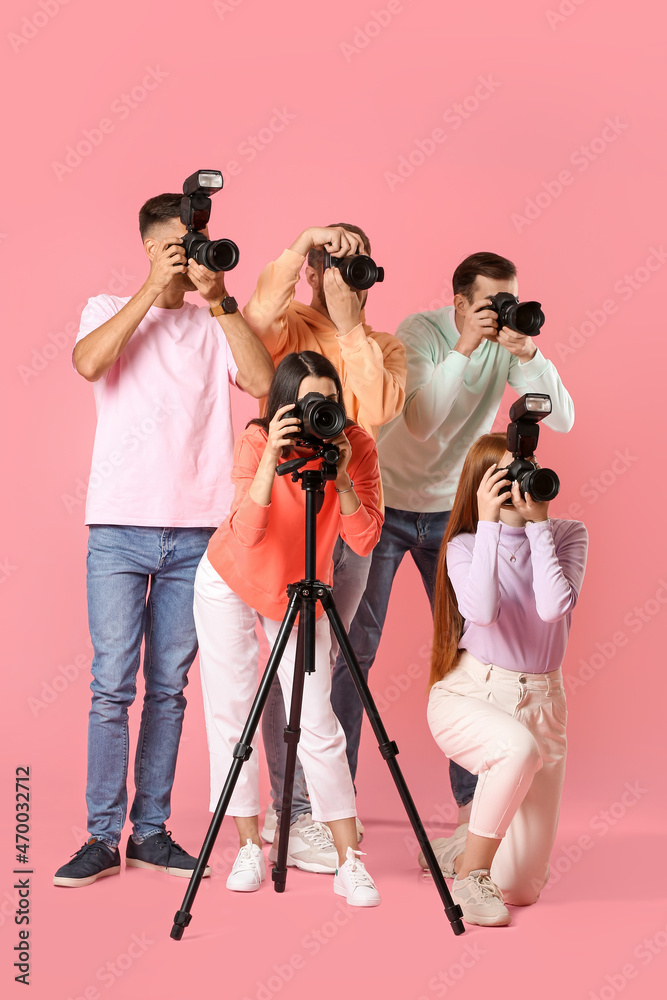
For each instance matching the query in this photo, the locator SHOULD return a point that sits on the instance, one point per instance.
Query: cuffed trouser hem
(509, 729)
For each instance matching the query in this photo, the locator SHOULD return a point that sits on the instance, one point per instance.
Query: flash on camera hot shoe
(216, 255)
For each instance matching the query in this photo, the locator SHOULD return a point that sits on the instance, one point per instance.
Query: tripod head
(313, 478)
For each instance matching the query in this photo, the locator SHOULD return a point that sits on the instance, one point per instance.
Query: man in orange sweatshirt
(372, 368)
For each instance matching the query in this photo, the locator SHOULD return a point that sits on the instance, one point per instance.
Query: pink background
(360, 99)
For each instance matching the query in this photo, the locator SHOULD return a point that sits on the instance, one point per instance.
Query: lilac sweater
(517, 614)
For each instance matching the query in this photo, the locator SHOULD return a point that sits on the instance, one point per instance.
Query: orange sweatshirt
(259, 550)
(372, 366)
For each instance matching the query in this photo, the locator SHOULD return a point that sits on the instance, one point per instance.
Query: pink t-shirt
(164, 442)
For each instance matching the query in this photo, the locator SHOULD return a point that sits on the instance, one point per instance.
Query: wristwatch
(228, 305)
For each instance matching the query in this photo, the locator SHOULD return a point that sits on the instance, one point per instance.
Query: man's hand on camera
(168, 260)
(209, 284)
(479, 323)
(336, 240)
(516, 343)
(343, 302)
(529, 509)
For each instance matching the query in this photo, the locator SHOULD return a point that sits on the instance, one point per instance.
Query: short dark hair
(315, 255)
(156, 210)
(288, 377)
(488, 265)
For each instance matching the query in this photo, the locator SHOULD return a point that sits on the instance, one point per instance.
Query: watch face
(229, 304)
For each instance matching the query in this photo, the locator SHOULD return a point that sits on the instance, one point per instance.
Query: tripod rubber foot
(457, 927)
(279, 879)
(181, 921)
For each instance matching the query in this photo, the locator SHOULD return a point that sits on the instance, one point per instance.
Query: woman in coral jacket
(243, 577)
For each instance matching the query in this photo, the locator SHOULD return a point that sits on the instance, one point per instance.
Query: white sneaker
(480, 899)
(249, 869)
(269, 829)
(446, 850)
(353, 881)
(311, 847)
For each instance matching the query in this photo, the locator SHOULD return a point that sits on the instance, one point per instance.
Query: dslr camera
(321, 419)
(216, 255)
(522, 437)
(358, 271)
(525, 317)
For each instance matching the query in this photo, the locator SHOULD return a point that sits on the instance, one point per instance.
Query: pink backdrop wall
(532, 129)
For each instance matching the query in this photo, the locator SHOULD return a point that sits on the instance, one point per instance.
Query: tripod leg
(241, 753)
(389, 750)
(303, 661)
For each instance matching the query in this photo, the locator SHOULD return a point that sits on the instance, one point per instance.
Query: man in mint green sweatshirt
(459, 363)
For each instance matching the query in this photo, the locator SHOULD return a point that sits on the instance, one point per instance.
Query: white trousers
(509, 729)
(228, 652)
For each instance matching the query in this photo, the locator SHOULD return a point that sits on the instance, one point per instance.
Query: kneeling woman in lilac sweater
(508, 579)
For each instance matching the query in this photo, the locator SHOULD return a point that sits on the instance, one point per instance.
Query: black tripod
(303, 597)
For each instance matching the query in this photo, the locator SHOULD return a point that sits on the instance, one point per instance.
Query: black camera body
(358, 271)
(321, 419)
(522, 437)
(216, 255)
(525, 317)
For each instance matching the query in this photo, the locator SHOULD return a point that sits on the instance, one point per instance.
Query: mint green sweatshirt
(450, 401)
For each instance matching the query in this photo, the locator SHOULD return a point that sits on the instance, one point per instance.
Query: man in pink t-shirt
(159, 487)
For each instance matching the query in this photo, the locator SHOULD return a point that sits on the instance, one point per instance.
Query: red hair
(448, 623)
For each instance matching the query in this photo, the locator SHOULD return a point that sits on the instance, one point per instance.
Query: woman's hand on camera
(529, 509)
(280, 427)
(345, 449)
(489, 501)
(347, 498)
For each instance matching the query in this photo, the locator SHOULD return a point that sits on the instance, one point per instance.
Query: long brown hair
(448, 622)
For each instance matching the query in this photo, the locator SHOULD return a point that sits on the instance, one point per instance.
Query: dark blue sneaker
(162, 854)
(92, 861)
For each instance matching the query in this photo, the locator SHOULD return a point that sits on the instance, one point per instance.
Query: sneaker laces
(487, 886)
(245, 860)
(357, 869)
(318, 833)
(92, 843)
(166, 842)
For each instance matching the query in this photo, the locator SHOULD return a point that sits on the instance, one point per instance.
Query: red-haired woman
(508, 579)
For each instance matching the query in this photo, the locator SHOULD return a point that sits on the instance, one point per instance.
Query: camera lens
(219, 255)
(542, 484)
(326, 419)
(528, 318)
(360, 271)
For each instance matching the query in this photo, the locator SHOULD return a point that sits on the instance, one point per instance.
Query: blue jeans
(349, 580)
(140, 584)
(403, 531)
